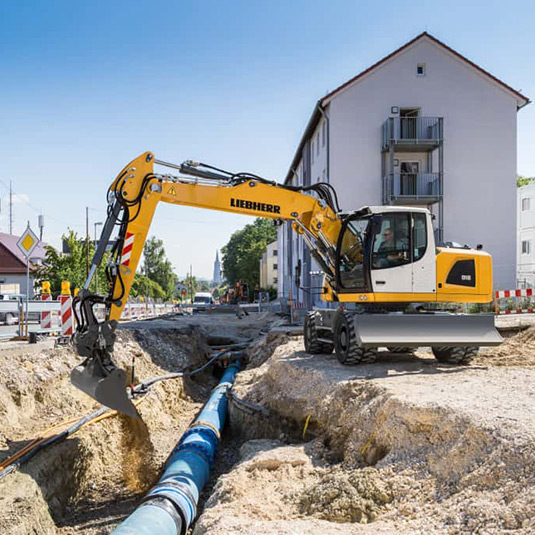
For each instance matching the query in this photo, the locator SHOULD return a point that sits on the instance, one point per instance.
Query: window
(420, 69)
(323, 134)
(312, 153)
(324, 175)
(352, 274)
(275, 280)
(390, 240)
(525, 204)
(318, 144)
(275, 252)
(419, 236)
(526, 246)
(275, 266)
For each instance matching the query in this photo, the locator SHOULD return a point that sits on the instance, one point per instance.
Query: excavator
(385, 278)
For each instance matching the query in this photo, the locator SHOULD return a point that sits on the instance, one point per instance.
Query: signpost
(27, 243)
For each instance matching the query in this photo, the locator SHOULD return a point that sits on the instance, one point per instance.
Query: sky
(85, 87)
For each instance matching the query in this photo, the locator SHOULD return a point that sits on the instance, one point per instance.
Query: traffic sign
(28, 242)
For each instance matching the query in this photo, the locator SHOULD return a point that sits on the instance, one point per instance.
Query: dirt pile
(518, 350)
(409, 446)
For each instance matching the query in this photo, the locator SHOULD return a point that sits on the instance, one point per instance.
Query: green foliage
(158, 268)
(241, 255)
(524, 180)
(192, 284)
(141, 285)
(60, 267)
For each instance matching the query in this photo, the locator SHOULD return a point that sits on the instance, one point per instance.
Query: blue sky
(87, 86)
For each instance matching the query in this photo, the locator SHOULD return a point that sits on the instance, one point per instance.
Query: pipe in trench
(170, 507)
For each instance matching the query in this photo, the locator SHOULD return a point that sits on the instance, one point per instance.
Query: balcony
(412, 133)
(412, 188)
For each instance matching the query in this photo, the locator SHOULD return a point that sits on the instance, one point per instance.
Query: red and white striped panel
(127, 249)
(66, 315)
(501, 294)
(46, 315)
(518, 311)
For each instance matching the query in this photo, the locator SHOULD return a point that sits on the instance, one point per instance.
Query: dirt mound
(518, 350)
(452, 449)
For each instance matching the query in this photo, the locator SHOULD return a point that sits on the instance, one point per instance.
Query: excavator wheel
(346, 345)
(313, 344)
(409, 350)
(455, 355)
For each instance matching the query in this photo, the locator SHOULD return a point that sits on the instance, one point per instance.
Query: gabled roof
(9, 241)
(322, 102)
(424, 35)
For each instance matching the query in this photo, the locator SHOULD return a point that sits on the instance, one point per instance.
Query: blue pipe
(170, 507)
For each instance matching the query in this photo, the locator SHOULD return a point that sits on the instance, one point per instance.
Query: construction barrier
(515, 294)
(46, 315)
(66, 309)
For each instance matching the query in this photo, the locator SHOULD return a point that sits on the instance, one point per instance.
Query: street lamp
(97, 224)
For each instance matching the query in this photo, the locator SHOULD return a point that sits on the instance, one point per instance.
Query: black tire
(312, 344)
(455, 355)
(346, 345)
(401, 349)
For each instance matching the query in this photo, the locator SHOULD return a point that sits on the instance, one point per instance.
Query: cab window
(391, 240)
(419, 236)
(352, 254)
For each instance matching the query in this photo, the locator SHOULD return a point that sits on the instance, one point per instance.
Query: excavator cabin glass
(378, 241)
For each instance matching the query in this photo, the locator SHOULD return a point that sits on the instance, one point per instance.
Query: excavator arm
(132, 200)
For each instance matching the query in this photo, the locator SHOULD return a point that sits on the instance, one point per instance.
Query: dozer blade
(420, 330)
(106, 387)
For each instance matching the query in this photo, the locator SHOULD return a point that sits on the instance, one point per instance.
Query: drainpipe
(326, 117)
(171, 506)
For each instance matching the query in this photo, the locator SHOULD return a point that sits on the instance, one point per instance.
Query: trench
(333, 454)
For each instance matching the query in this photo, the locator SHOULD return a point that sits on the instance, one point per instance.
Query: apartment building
(525, 250)
(424, 126)
(269, 267)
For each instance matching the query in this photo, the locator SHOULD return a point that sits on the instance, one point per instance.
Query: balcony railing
(412, 188)
(412, 131)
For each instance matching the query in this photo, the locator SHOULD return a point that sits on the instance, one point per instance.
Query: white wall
(479, 145)
(526, 232)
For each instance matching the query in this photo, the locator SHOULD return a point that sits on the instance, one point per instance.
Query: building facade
(422, 127)
(525, 249)
(269, 267)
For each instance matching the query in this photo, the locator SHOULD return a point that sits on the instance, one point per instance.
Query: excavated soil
(405, 445)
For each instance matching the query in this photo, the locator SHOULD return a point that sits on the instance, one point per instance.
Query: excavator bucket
(105, 386)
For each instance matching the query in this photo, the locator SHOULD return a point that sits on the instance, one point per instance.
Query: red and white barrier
(46, 316)
(66, 315)
(505, 294)
(502, 294)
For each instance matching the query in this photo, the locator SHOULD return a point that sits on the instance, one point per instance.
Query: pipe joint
(178, 494)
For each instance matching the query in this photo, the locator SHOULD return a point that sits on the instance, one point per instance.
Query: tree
(141, 285)
(70, 267)
(242, 253)
(192, 284)
(524, 180)
(158, 268)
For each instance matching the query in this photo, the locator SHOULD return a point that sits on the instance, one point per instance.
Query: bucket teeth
(106, 386)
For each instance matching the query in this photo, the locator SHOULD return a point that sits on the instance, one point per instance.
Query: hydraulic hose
(171, 506)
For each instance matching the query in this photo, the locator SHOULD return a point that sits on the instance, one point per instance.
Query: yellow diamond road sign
(27, 242)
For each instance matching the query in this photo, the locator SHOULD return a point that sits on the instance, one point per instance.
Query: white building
(525, 249)
(423, 127)
(269, 267)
